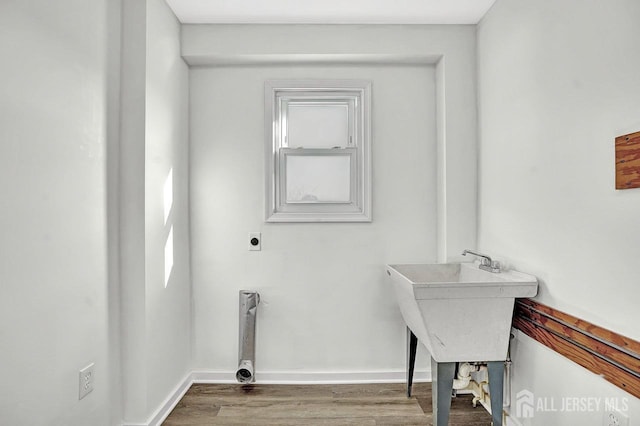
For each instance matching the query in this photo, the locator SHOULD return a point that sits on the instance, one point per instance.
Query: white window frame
(356, 95)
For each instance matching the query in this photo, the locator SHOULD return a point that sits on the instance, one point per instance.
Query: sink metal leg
(412, 346)
(496, 382)
(441, 385)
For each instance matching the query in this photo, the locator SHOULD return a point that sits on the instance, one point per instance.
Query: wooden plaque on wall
(628, 161)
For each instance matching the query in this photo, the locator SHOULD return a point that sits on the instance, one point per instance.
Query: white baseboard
(277, 377)
(306, 377)
(169, 403)
(512, 421)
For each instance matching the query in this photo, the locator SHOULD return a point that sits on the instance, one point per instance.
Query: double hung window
(318, 151)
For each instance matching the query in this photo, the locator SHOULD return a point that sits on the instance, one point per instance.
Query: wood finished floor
(340, 405)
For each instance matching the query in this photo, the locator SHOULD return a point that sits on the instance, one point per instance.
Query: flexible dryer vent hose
(246, 342)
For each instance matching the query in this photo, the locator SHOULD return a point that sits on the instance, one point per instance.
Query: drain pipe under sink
(506, 402)
(464, 375)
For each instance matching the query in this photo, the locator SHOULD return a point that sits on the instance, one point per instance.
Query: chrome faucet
(486, 264)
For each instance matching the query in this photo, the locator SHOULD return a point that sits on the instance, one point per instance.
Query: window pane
(318, 179)
(317, 125)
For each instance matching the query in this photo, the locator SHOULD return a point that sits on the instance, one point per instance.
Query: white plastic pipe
(506, 402)
(464, 375)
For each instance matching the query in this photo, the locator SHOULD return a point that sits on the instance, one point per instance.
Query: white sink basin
(458, 311)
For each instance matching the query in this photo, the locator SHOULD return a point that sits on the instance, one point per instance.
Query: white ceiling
(330, 11)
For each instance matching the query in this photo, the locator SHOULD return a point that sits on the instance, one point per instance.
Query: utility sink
(458, 311)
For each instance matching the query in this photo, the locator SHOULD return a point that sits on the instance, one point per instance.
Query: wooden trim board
(628, 161)
(601, 351)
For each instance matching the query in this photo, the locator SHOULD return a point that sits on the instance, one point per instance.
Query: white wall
(79, 206)
(53, 251)
(450, 47)
(156, 313)
(168, 308)
(326, 304)
(558, 81)
(131, 199)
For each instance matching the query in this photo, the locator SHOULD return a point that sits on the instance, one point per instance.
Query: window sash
(352, 205)
(285, 123)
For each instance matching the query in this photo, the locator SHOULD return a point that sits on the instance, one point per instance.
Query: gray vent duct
(247, 341)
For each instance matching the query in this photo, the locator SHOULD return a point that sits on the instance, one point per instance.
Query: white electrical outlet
(255, 241)
(86, 381)
(613, 417)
